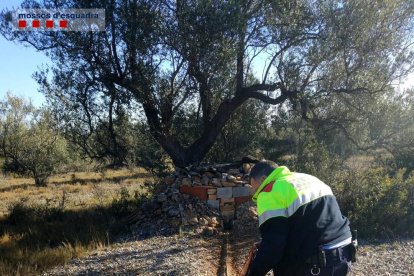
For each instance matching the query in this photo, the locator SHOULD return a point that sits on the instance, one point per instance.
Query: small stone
(203, 221)
(158, 212)
(205, 180)
(193, 220)
(162, 197)
(216, 182)
(234, 171)
(198, 230)
(175, 196)
(215, 221)
(209, 231)
(192, 173)
(170, 179)
(173, 212)
(209, 174)
(231, 178)
(246, 168)
(186, 181)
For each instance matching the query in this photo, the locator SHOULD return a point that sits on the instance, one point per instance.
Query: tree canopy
(162, 59)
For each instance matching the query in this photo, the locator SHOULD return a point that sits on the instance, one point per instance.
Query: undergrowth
(34, 238)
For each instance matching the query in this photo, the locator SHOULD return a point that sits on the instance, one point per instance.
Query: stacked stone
(171, 211)
(222, 188)
(199, 200)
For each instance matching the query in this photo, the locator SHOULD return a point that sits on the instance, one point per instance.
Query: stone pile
(198, 200)
(223, 188)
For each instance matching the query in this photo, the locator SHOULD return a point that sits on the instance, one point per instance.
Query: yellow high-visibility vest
(287, 191)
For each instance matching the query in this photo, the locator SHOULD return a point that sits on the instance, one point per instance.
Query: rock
(170, 179)
(231, 178)
(202, 221)
(209, 231)
(193, 220)
(209, 174)
(216, 182)
(173, 212)
(205, 180)
(233, 171)
(199, 230)
(246, 168)
(186, 181)
(215, 221)
(158, 211)
(162, 197)
(175, 196)
(192, 173)
(148, 206)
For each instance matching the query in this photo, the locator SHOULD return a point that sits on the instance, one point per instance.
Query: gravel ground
(174, 255)
(385, 258)
(196, 255)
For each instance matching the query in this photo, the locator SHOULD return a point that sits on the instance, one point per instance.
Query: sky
(19, 62)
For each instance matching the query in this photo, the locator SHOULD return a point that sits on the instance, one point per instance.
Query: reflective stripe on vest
(290, 191)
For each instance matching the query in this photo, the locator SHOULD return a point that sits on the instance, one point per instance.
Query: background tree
(29, 140)
(164, 58)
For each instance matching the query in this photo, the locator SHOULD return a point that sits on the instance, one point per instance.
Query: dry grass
(41, 227)
(73, 190)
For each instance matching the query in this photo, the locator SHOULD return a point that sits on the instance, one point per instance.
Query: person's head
(260, 171)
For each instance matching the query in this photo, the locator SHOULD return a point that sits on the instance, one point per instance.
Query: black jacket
(290, 241)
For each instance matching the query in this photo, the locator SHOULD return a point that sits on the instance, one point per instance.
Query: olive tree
(29, 139)
(160, 58)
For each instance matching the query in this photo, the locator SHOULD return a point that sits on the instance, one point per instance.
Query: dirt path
(173, 255)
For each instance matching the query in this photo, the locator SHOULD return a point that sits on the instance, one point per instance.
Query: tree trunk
(40, 180)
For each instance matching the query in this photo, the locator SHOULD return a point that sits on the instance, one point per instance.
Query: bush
(29, 140)
(378, 203)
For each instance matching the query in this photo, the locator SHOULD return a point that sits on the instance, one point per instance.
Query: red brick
(200, 192)
(242, 199)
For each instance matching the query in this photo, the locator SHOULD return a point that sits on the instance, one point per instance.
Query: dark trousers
(338, 263)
